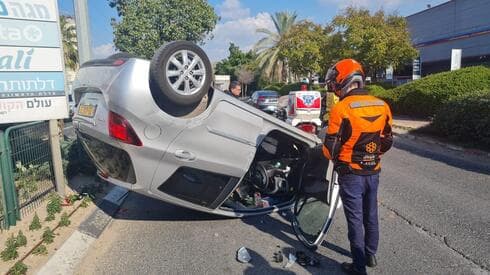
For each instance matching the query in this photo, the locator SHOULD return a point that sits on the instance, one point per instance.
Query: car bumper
(268, 108)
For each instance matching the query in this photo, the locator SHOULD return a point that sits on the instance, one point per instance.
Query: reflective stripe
(360, 104)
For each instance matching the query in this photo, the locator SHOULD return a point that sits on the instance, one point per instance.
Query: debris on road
(278, 257)
(242, 255)
(291, 261)
(301, 258)
(305, 260)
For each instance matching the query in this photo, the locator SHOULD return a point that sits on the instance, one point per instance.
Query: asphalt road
(434, 217)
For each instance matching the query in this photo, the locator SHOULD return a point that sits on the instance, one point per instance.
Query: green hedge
(426, 96)
(286, 88)
(290, 87)
(272, 88)
(466, 118)
(387, 95)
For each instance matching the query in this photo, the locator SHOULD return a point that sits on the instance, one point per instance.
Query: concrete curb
(77, 245)
(431, 141)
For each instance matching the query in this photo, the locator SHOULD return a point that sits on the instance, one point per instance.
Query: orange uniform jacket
(359, 131)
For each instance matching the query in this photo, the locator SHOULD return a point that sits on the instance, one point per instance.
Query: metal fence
(27, 169)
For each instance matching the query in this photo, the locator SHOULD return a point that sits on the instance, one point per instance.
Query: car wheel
(180, 73)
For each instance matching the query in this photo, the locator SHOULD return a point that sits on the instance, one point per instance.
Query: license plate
(87, 110)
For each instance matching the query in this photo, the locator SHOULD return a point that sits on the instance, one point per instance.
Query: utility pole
(83, 30)
(84, 53)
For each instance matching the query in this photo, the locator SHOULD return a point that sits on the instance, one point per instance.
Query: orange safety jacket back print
(358, 133)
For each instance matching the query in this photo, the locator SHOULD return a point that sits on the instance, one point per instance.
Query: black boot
(349, 268)
(371, 260)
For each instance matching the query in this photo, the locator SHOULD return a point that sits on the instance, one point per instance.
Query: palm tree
(268, 47)
(69, 39)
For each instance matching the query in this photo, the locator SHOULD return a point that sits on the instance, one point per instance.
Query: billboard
(32, 82)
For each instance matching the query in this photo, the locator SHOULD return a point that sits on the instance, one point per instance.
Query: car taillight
(120, 129)
(119, 62)
(307, 127)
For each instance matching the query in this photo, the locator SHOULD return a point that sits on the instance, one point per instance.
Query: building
(456, 24)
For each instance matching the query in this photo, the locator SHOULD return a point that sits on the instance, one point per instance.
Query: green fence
(27, 169)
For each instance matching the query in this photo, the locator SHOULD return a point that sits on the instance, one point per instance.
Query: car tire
(180, 74)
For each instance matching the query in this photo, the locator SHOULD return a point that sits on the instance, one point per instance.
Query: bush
(290, 87)
(466, 118)
(385, 85)
(53, 206)
(10, 251)
(272, 88)
(48, 235)
(65, 220)
(387, 95)
(35, 224)
(18, 269)
(85, 202)
(21, 239)
(40, 250)
(426, 96)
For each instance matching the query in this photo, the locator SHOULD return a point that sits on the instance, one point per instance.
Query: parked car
(160, 129)
(265, 101)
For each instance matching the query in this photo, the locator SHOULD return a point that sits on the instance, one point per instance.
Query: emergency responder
(328, 100)
(234, 89)
(358, 133)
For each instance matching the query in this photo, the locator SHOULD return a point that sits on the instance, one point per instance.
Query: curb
(431, 141)
(77, 245)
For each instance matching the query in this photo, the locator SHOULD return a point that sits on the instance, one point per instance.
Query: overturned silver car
(160, 129)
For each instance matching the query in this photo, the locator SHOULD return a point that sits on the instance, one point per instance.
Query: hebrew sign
(32, 83)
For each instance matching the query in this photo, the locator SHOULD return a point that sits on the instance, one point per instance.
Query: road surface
(434, 218)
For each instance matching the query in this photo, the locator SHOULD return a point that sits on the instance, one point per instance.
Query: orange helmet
(341, 75)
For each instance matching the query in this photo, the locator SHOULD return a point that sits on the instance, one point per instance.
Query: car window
(270, 94)
(198, 186)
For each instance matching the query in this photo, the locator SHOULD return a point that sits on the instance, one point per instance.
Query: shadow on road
(143, 208)
(336, 248)
(261, 266)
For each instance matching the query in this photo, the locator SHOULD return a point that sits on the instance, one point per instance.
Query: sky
(239, 19)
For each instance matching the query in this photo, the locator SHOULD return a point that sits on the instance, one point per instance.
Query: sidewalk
(409, 123)
(403, 127)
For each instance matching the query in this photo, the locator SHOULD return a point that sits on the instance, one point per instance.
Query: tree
(146, 25)
(302, 47)
(239, 66)
(376, 40)
(69, 40)
(120, 5)
(235, 60)
(269, 59)
(245, 76)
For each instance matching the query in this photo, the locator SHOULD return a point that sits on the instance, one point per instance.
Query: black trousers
(360, 200)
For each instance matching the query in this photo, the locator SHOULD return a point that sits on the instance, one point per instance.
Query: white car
(159, 128)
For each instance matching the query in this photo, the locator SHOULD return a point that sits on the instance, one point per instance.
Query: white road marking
(69, 255)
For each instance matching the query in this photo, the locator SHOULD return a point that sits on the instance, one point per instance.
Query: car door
(205, 163)
(314, 209)
(254, 99)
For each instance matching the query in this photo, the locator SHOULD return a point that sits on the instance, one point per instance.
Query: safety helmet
(341, 75)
